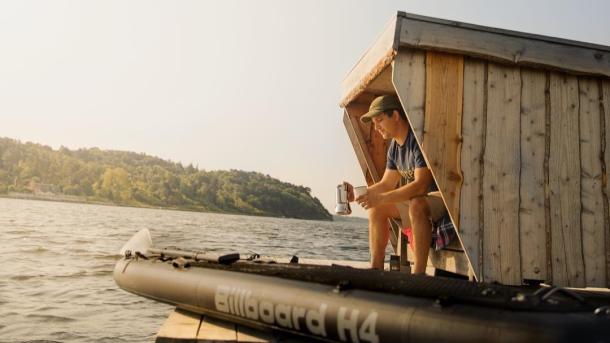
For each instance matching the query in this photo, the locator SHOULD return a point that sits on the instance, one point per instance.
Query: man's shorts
(443, 230)
(435, 203)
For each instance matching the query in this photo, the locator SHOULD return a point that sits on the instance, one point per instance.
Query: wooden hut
(515, 128)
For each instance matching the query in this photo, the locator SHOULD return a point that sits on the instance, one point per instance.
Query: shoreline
(83, 200)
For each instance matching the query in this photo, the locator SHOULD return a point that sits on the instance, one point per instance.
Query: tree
(138, 179)
(115, 185)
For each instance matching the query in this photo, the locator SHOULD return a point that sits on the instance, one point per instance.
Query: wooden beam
(564, 182)
(532, 218)
(511, 33)
(501, 178)
(508, 47)
(473, 136)
(592, 214)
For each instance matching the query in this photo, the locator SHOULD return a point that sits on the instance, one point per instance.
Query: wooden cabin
(515, 128)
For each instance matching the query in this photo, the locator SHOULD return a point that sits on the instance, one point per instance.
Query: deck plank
(180, 326)
(250, 335)
(215, 330)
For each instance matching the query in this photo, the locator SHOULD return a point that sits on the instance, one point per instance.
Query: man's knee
(419, 207)
(382, 212)
(377, 212)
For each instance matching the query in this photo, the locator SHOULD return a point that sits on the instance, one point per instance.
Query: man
(416, 200)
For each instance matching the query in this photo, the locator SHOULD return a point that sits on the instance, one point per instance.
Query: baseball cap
(380, 105)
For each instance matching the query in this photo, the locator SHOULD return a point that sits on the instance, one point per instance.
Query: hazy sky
(251, 85)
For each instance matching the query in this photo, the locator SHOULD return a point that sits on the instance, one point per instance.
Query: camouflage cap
(380, 105)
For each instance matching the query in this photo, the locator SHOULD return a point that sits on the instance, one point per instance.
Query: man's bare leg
(379, 232)
(419, 212)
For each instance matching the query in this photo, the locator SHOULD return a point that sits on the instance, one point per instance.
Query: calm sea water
(56, 277)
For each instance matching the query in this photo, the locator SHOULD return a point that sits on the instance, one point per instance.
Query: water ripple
(25, 277)
(51, 318)
(62, 257)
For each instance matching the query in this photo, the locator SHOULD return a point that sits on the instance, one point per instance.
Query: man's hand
(370, 199)
(350, 191)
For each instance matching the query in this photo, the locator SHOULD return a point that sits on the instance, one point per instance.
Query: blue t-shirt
(405, 158)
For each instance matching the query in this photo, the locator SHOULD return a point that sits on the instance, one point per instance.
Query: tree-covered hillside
(128, 178)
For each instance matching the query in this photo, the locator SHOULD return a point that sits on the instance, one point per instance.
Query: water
(56, 277)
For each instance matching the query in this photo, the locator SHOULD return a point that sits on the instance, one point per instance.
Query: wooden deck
(183, 326)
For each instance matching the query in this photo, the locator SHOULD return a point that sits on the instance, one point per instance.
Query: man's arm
(389, 181)
(419, 186)
(383, 192)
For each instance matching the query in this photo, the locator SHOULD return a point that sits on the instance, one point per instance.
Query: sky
(227, 84)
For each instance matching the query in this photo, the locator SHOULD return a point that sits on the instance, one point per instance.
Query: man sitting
(406, 191)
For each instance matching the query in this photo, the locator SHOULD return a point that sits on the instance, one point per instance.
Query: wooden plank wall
(501, 176)
(535, 154)
(430, 89)
(564, 182)
(443, 125)
(409, 80)
(592, 215)
(532, 215)
(533, 151)
(522, 158)
(429, 85)
(473, 130)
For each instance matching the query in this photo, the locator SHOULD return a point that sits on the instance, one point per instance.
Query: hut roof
(413, 31)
